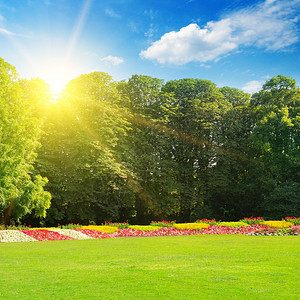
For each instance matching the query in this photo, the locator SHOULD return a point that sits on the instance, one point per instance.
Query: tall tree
(79, 154)
(229, 196)
(148, 155)
(20, 191)
(196, 108)
(276, 141)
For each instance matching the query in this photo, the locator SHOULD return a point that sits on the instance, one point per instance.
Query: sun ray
(133, 184)
(77, 30)
(60, 70)
(56, 69)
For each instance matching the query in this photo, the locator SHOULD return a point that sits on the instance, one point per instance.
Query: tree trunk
(7, 213)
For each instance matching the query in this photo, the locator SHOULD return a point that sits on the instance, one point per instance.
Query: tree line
(142, 149)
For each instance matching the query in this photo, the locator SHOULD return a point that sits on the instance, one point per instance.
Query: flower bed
(164, 231)
(46, 235)
(277, 224)
(96, 234)
(144, 227)
(232, 224)
(195, 226)
(163, 223)
(247, 226)
(215, 229)
(294, 220)
(295, 229)
(15, 236)
(103, 228)
(77, 235)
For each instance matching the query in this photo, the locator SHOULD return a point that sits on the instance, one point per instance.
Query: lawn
(181, 267)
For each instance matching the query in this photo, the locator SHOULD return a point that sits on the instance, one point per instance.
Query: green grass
(186, 267)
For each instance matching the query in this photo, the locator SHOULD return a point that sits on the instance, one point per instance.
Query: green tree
(20, 191)
(148, 155)
(195, 114)
(80, 153)
(231, 195)
(276, 141)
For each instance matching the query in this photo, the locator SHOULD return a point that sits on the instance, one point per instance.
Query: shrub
(163, 223)
(116, 224)
(15, 227)
(252, 220)
(294, 220)
(191, 226)
(207, 221)
(69, 226)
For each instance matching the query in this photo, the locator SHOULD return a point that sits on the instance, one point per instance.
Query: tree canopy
(143, 149)
(21, 192)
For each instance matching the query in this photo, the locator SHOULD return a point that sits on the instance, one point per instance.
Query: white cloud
(205, 66)
(110, 12)
(253, 86)
(5, 32)
(190, 44)
(112, 60)
(270, 25)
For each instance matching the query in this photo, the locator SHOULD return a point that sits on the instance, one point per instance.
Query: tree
(228, 198)
(195, 114)
(276, 140)
(284, 200)
(80, 154)
(20, 191)
(148, 156)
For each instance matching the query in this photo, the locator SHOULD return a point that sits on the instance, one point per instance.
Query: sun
(57, 78)
(56, 87)
(57, 72)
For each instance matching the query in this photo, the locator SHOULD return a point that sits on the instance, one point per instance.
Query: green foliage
(210, 222)
(278, 83)
(228, 196)
(15, 227)
(69, 226)
(81, 154)
(163, 223)
(21, 192)
(142, 149)
(252, 220)
(275, 141)
(154, 181)
(122, 225)
(283, 200)
(294, 220)
(194, 115)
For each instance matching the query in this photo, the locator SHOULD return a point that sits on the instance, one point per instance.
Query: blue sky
(232, 43)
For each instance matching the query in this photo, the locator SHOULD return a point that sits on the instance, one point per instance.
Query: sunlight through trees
(143, 149)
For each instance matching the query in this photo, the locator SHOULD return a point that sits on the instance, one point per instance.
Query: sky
(233, 43)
